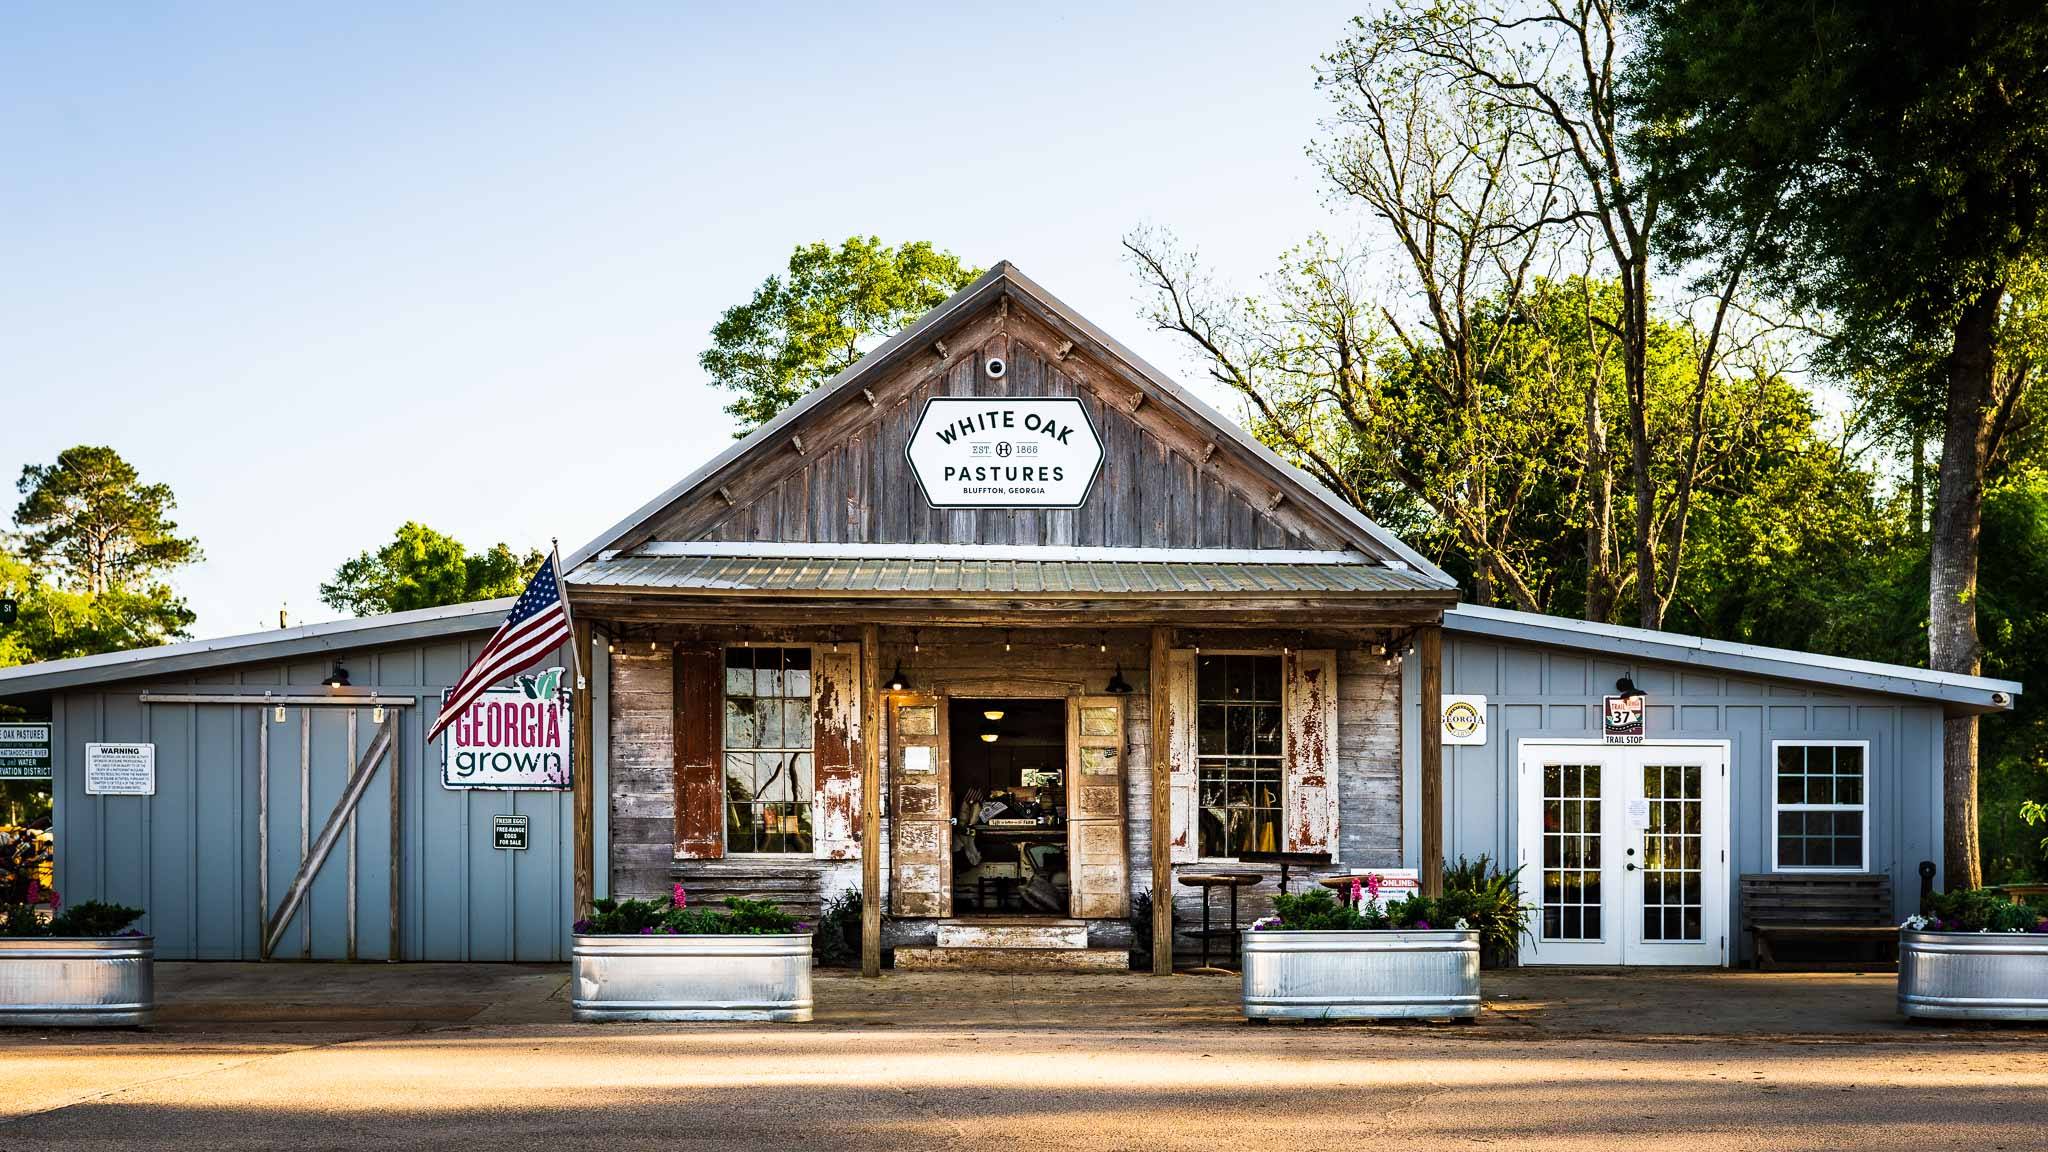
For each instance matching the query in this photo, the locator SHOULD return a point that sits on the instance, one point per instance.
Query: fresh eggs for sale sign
(515, 737)
(1003, 452)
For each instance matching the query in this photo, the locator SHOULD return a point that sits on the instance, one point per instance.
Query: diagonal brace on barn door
(380, 749)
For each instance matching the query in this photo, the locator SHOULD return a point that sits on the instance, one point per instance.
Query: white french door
(1624, 852)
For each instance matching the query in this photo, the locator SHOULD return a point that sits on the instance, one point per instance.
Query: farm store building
(1003, 629)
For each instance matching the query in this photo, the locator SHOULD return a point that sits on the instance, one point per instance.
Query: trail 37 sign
(512, 737)
(1004, 452)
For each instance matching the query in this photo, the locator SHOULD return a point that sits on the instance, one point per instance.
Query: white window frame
(1869, 773)
(808, 853)
(1278, 654)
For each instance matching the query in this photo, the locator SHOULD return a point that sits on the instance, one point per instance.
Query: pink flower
(1354, 889)
(1373, 882)
(35, 892)
(679, 898)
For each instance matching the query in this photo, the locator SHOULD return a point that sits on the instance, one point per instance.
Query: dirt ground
(435, 1056)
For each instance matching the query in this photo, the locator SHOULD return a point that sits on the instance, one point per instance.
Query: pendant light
(897, 681)
(1117, 685)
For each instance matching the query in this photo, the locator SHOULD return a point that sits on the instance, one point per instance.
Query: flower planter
(1361, 975)
(1973, 975)
(657, 977)
(77, 981)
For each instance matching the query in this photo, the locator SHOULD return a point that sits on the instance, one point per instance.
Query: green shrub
(1980, 910)
(1495, 907)
(674, 917)
(90, 918)
(836, 943)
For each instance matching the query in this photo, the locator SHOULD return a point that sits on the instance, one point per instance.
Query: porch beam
(582, 780)
(1162, 802)
(1429, 648)
(1187, 611)
(869, 735)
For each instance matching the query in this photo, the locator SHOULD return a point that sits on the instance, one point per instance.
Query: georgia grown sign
(511, 737)
(1004, 452)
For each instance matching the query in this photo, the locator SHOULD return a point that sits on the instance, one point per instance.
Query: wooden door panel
(1097, 868)
(920, 848)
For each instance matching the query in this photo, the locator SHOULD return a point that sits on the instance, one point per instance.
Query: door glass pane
(1571, 852)
(1672, 868)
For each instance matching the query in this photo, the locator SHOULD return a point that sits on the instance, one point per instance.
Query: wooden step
(1013, 933)
(1013, 959)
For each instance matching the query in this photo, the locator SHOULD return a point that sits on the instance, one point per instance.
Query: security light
(337, 678)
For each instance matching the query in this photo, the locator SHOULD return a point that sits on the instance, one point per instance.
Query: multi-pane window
(1238, 753)
(1821, 808)
(768, 772)
(1571, 852)
(1672, 871)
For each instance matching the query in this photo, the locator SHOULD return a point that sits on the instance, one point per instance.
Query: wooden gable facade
(834, 470)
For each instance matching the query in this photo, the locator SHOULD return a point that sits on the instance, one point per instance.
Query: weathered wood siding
(970, 662)
(1164, 483)
(642, 768)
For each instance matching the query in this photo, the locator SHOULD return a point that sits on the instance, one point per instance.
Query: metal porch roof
(997, 576)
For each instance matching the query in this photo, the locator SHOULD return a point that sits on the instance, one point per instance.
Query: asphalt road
(560, 1088)
(433, 1057)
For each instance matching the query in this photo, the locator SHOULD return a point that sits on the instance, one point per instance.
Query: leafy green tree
(89, 569)
(823, 313)
(96, 525)
(422, 568)
(1900, 154)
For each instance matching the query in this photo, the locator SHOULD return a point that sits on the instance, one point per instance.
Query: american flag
(537, 626)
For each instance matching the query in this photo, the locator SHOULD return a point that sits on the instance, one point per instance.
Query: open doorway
(1008, 762)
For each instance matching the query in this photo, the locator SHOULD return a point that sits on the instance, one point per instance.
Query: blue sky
(327, 269)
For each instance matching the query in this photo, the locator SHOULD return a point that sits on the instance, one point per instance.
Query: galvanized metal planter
(1973, 975)
(77, 981)
(656, 977)
(1363, 975)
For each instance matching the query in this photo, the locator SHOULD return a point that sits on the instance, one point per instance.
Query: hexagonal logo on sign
(1004, 452)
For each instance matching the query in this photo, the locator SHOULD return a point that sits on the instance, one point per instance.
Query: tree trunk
(1600, 516)
(1952, 573)
(1919, 482)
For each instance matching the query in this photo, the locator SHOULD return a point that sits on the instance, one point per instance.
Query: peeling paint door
(1095, 807)
(921, 847)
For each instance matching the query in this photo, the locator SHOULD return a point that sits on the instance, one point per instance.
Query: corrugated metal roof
(1974, 693)
(995, 577)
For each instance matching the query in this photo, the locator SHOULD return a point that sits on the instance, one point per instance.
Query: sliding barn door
(920, 851)
(1095, 807)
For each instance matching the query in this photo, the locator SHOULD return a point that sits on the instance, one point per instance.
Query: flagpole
(562, 591)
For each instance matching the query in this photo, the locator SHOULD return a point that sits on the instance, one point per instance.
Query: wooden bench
(1853, 908)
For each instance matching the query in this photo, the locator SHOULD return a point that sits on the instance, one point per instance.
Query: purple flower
(647, 931)
(800, 926)
(580, 927)
(1422, 925)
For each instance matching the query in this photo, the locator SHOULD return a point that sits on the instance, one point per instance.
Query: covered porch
(896, 649)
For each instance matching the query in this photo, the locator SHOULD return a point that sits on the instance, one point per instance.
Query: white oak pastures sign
(511, 738)
(1004, 452)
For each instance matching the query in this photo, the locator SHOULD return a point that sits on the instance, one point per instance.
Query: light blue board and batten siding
(1538, 692)
(189, 854)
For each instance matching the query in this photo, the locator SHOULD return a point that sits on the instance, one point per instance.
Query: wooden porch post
(1156, 679)
(873, 715)
(1429, 645)
(582, 781)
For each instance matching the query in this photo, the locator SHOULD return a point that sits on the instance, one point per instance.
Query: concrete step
(1013, 933)
(1013, 959)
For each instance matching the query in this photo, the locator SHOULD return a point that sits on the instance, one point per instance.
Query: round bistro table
(1209, 882)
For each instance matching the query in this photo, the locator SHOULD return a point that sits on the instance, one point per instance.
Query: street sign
(24, 751)
(508, 833)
